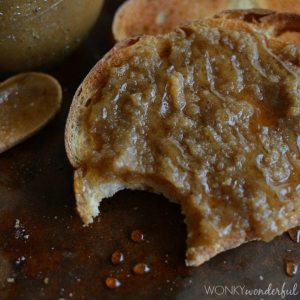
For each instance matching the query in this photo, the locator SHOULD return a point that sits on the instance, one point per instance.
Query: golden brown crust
(136, 17)
(194, 259)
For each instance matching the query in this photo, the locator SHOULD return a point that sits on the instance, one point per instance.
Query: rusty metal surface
(45, 253)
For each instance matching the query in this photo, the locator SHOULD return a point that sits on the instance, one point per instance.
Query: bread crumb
(46, 280)
(17, 224)
(10, 280)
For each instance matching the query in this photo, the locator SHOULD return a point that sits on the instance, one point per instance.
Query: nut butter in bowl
(39, 33)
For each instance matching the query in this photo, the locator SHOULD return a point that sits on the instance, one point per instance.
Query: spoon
(28, 101)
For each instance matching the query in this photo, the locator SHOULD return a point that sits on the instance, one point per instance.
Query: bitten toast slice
(208, 116)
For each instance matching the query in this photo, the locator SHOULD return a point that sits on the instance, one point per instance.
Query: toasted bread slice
(283, 26)
(138, 17)
(208, 116)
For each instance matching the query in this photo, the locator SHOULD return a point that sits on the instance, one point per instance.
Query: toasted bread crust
(153, 17)
(271, 21)
(79, 148)
(137, 17)
(91, 85)
(284, 26)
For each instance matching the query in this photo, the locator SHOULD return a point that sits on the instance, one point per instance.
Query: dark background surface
(51, 256)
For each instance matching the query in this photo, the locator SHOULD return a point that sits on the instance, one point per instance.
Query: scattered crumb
(17, 224)
(10, 280)
(46, 280)
(261, 277)
(20, 260)
(20, 230)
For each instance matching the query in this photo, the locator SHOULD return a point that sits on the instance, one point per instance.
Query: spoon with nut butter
(28, 102)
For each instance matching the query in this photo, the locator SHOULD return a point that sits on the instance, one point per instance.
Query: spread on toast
(208, 116)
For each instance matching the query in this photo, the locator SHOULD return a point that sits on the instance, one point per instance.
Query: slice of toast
(283, 26)
(138, 17)
(208, 116)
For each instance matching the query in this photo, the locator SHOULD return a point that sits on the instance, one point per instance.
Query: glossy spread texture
(27, 102)
(39, 33)
(208, 116)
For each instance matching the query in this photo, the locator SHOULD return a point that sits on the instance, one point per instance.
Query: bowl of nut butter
(38, 33)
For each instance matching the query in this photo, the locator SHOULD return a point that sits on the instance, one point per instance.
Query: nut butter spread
(209, 117)
(27, 102)
(40, 33)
